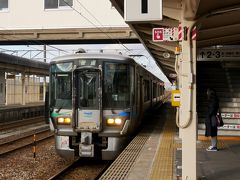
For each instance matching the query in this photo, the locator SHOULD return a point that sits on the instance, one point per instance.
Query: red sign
(157, 34)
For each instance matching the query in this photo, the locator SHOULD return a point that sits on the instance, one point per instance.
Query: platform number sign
(142, 10)
(212, 54)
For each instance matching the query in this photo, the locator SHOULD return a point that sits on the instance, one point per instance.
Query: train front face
(91, 106)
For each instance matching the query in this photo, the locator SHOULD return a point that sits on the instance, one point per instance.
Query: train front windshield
(87, 93)
(61, 85)
(116, 85)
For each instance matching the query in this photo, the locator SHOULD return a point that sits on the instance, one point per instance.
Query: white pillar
(44, 81)
(44, 89)
(2, 88)
(14, 90)
(23, 89)
(188, 107)
(7, 89)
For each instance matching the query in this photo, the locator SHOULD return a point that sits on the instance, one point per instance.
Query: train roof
(92, 56)
(115, 57)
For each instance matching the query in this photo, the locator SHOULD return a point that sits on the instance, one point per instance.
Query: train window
(61, 90)
(55, 4)
(146, 90)
(3, 5)
(154, 90)
(116, 85)
(62, 67)
(84, 62)
(61, 85)
(87, 91)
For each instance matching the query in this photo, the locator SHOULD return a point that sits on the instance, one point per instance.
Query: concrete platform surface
(221, 165)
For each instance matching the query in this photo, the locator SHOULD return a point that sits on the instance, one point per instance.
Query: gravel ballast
(20, 165)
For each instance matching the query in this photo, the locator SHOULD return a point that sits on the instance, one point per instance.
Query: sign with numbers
(218, 54)
(142, 10)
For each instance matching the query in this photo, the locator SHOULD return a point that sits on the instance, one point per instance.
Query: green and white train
(97, 101)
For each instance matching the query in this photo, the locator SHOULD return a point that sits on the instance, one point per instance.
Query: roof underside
(221, 26)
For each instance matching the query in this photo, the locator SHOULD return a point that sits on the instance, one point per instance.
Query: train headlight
(118, 121)
(67, 120)
(112, 121)
(60, 120)
(64, 120)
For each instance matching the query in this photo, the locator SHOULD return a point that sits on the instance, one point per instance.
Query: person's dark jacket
(211, 123)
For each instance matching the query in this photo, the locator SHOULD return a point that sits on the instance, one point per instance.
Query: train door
(151, 93)
(88, 99)
(138, 95)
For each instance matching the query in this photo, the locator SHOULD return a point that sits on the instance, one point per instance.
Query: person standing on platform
(211, 121)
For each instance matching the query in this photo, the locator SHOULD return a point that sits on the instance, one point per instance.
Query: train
(97, 101)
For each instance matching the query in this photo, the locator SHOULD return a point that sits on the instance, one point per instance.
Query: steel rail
(64, 170)
(20, 123)
(7, 151)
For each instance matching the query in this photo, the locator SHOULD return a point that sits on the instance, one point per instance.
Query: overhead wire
(118, 41)
(33, 42)
(88, 12)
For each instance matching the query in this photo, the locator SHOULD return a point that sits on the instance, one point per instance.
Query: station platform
(13, 106)
(155, 153)
(19, 112)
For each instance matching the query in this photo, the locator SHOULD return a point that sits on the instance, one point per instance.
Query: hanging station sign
(143, 10)
(222, 54)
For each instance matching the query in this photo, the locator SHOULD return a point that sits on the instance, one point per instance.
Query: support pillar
(188, 116)
(2, 88)
(44, 80)
(23, 89)
(7, 89)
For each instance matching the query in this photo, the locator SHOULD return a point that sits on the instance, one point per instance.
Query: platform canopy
(218, 24)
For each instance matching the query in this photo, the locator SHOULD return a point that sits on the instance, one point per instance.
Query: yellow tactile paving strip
(163, 164)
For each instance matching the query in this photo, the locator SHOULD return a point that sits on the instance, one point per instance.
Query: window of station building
(3, 5)
(57, 4)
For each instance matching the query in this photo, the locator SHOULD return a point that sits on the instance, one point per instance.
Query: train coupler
(86, 148)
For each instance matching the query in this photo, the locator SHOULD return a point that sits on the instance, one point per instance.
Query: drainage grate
(122, 165)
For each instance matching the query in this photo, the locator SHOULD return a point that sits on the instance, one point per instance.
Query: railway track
(64, 170)
(70, 170)
(20, 123)
(24, 141)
